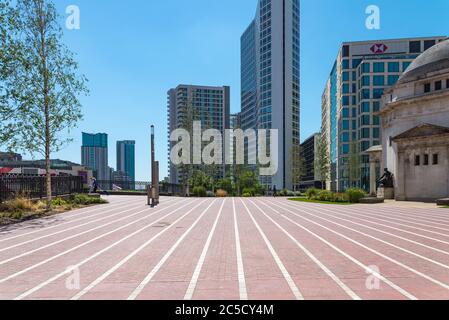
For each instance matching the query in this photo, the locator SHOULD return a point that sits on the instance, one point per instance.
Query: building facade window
(435, 159)
(405, 65)
(417, 160)
(366, 68)
(392, 79)
(426, 159)
(379, 67)
(377, 93)
(426, 87)
(379, 80)
(438, 85)
(415, 46)
(393, 66)
(428, 44)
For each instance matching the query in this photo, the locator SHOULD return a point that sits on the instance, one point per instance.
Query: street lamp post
(153, 188)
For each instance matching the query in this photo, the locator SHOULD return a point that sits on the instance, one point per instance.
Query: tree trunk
(46, 89)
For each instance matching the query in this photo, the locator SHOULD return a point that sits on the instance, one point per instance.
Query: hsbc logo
(379, 48)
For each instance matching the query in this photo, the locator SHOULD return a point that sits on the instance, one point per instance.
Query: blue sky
(132, 52)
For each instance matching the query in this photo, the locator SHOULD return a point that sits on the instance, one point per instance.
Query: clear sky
(134, 51)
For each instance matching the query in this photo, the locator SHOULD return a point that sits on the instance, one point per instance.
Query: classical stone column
(375, 154)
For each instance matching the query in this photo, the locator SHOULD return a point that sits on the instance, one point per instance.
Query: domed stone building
(415, 128)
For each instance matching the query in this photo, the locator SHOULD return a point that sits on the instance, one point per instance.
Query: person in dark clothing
(274, 191)
(94, 187)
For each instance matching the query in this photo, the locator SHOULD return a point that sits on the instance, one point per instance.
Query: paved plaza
(233, 248)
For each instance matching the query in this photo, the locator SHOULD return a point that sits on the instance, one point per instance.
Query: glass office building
(270, 80)
(94, 155)
(352, 98)
(126, 158)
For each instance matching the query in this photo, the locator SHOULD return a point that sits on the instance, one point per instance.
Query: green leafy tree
(354, 165)
(40, 94)
(200, 179)
(322, 160)
(299, 170)
(226, 184)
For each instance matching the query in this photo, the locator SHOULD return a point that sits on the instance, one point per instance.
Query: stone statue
(386, 181)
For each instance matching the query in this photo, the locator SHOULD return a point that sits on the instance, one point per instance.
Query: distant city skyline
(199, 42)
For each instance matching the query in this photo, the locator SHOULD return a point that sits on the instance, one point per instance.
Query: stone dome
(434, 59)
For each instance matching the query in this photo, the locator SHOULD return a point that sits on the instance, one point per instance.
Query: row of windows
(366, 81)
(437, 85)
(365, 120)
(364, 145)
(426, 160)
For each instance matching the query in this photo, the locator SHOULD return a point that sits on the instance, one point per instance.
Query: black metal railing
(34, 187)
(139, 186)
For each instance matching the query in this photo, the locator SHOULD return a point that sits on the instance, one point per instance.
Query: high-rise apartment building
(352, 98)
(270, 80)
(94, 155)
(126, 158)
(309, 150)
(211, 106)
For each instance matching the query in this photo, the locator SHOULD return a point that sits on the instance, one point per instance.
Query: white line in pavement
(68, 229)
(279, 263)
(26, 253)
(337, 280)
(105, 275)
(80, 245)
(351, 258)
(240, 269)
(199, 266)
(444, 285)
(156, 269)
(416, 214)
(370, 214)
(69, 270)
(338, 212)
(46, 228)
(441, 284)
(408, 226)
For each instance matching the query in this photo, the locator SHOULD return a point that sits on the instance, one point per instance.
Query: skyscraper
(126, 158)
(211, 106)
(352, 98)
(270, 80)
(94, 154)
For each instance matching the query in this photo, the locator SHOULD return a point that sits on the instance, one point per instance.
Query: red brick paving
(118, 245)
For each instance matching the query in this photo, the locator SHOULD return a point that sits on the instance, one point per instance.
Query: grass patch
(319, 201)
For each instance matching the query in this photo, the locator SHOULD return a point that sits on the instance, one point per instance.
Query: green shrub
(200, 192)
(247, 195)
(250, 191)
(59, 202)
(325, 195)
(290, 194)
(354, 195)
(312, 193)
(340, 197)
(84, 200)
